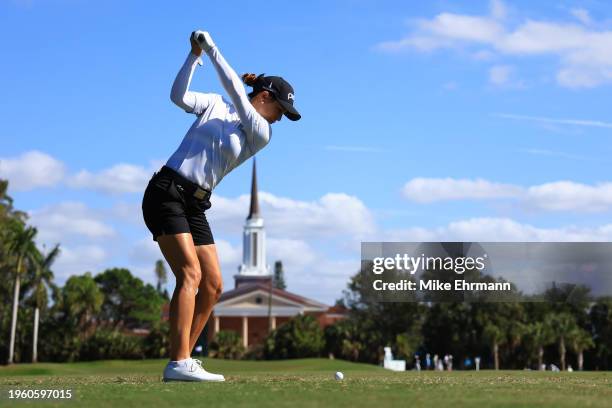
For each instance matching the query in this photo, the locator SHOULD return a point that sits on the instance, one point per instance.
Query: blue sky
(421, 121)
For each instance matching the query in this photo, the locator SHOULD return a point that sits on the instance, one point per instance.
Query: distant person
(467, 363)
(388, 354)
(427, 361)
(223, 136)
(435, 362)
(477, 361)
(446, 361)
(450, 363)
(417, 362)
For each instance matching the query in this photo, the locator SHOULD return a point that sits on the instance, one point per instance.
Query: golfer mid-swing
(223, 136)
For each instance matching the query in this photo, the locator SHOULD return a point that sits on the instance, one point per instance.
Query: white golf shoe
(189, 370)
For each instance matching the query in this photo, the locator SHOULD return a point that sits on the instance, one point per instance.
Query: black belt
(187, 185)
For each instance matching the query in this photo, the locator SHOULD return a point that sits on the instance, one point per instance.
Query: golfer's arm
(191, 102)
(256, 127)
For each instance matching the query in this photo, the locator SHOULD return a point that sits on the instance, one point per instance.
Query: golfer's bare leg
(180, 254)
(211, 286)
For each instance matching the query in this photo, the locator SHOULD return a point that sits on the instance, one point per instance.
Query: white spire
(254, 238)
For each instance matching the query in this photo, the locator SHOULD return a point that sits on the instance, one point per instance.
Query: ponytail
(254, 81)
(250, 79)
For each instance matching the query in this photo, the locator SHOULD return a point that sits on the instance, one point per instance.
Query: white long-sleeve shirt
(224, 134)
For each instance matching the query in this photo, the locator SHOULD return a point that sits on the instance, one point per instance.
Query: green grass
(303, 383)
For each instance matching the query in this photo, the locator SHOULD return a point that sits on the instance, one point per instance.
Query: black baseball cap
(282, 91)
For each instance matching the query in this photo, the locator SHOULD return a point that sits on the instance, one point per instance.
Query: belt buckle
(200, 193)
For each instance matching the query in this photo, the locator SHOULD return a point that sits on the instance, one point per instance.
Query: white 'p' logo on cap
(290, 96)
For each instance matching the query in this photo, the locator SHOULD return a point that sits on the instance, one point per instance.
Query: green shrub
(227, 344)
(255, 352)
(111, 344)
(157, 343)
(300, 337)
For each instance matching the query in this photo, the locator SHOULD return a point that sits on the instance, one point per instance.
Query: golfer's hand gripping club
(203, 40)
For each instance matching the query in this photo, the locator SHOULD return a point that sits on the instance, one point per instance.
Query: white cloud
(456, 27)
(427, 190)
(584, 76)
(227, 215)
(557, 121)
(333, 215)
(145, 252)
(31, 170)
(501, 230)
(35, 169)
(484, 55)
(125, 212)
(447, 30)
(323, 280)
(67, 220)
(77, 260)
(583, 52)
(536, 37)
(500, 75)
(568, 195)
(551, 153)
(120, 178)
(498, 9)
(297, 255)
(555, 196)
(582, 15)
(309, 272)
(229, 256)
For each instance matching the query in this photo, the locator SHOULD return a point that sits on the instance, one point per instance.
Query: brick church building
(254, 306)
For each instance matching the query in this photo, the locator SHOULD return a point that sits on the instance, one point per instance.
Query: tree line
(565, 326)
(110, 315)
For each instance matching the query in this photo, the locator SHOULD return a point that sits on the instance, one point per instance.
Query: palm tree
(563, 324)
(496, 337)
(541, 335)
(21, 245)
(6, 205)
(82, 300)
(581, 340)
(42, 281)
(516, 332)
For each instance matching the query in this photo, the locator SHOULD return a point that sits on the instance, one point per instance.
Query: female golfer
(223, 136)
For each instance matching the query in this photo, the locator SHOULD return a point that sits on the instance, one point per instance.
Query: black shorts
(169, 207)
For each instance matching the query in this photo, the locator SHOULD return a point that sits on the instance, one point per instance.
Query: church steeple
(254, 267)
(254, 210)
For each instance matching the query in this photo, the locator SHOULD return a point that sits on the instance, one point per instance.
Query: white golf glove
(204, 40)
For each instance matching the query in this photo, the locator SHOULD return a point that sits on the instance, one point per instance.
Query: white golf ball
(339, 376)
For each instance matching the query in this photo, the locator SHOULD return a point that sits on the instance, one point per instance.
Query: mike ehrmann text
(436, 285)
